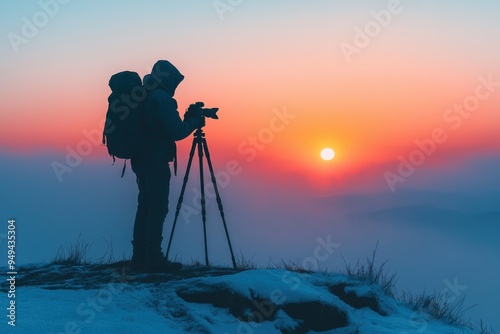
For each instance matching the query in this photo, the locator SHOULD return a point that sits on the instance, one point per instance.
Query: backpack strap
(124, 166)
(175, 159)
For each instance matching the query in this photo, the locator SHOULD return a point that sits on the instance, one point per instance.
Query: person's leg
(157, 184)
(140, 223)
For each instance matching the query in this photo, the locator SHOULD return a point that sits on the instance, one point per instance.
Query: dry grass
(371, 274)
(76, 254)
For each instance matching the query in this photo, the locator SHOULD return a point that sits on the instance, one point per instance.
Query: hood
(167, 75)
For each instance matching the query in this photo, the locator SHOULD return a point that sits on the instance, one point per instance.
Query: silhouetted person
(162, 127)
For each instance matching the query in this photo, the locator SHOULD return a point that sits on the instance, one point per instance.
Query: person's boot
(158, 263)
(138, 257)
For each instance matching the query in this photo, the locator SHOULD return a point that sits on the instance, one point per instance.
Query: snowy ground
(109, 299)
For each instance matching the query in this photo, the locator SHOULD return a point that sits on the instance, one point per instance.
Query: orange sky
(369, 110)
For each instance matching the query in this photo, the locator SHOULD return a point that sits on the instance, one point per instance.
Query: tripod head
(198, 133)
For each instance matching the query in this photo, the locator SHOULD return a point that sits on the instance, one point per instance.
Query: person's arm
(175, 128)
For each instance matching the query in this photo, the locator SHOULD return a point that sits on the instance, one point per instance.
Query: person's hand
(194, 110)
(198, 122)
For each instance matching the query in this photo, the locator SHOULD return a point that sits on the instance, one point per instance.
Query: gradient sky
(256, 61)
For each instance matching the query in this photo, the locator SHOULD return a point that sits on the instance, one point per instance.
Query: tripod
(200, 142)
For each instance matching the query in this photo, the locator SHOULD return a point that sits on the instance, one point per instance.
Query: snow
(207, 303)
(72, 311)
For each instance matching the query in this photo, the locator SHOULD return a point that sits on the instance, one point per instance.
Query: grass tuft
(439, 306)
(76, 254)
(483, 330)
(243, 263)
(369, 273)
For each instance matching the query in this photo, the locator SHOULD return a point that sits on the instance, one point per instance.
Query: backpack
(122, 130)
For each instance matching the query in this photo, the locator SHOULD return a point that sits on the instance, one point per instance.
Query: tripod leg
(181, 196)
(219, 201)
(203, 204)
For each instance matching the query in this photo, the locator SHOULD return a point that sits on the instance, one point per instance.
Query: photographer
(162, 127)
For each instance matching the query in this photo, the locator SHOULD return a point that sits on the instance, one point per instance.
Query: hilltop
(109, 298)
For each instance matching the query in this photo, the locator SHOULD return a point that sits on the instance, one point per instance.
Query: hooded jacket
(162, 123)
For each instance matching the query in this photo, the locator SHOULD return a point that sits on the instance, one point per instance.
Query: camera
(197, 109)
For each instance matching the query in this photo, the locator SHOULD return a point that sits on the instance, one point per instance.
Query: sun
(327, 154)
